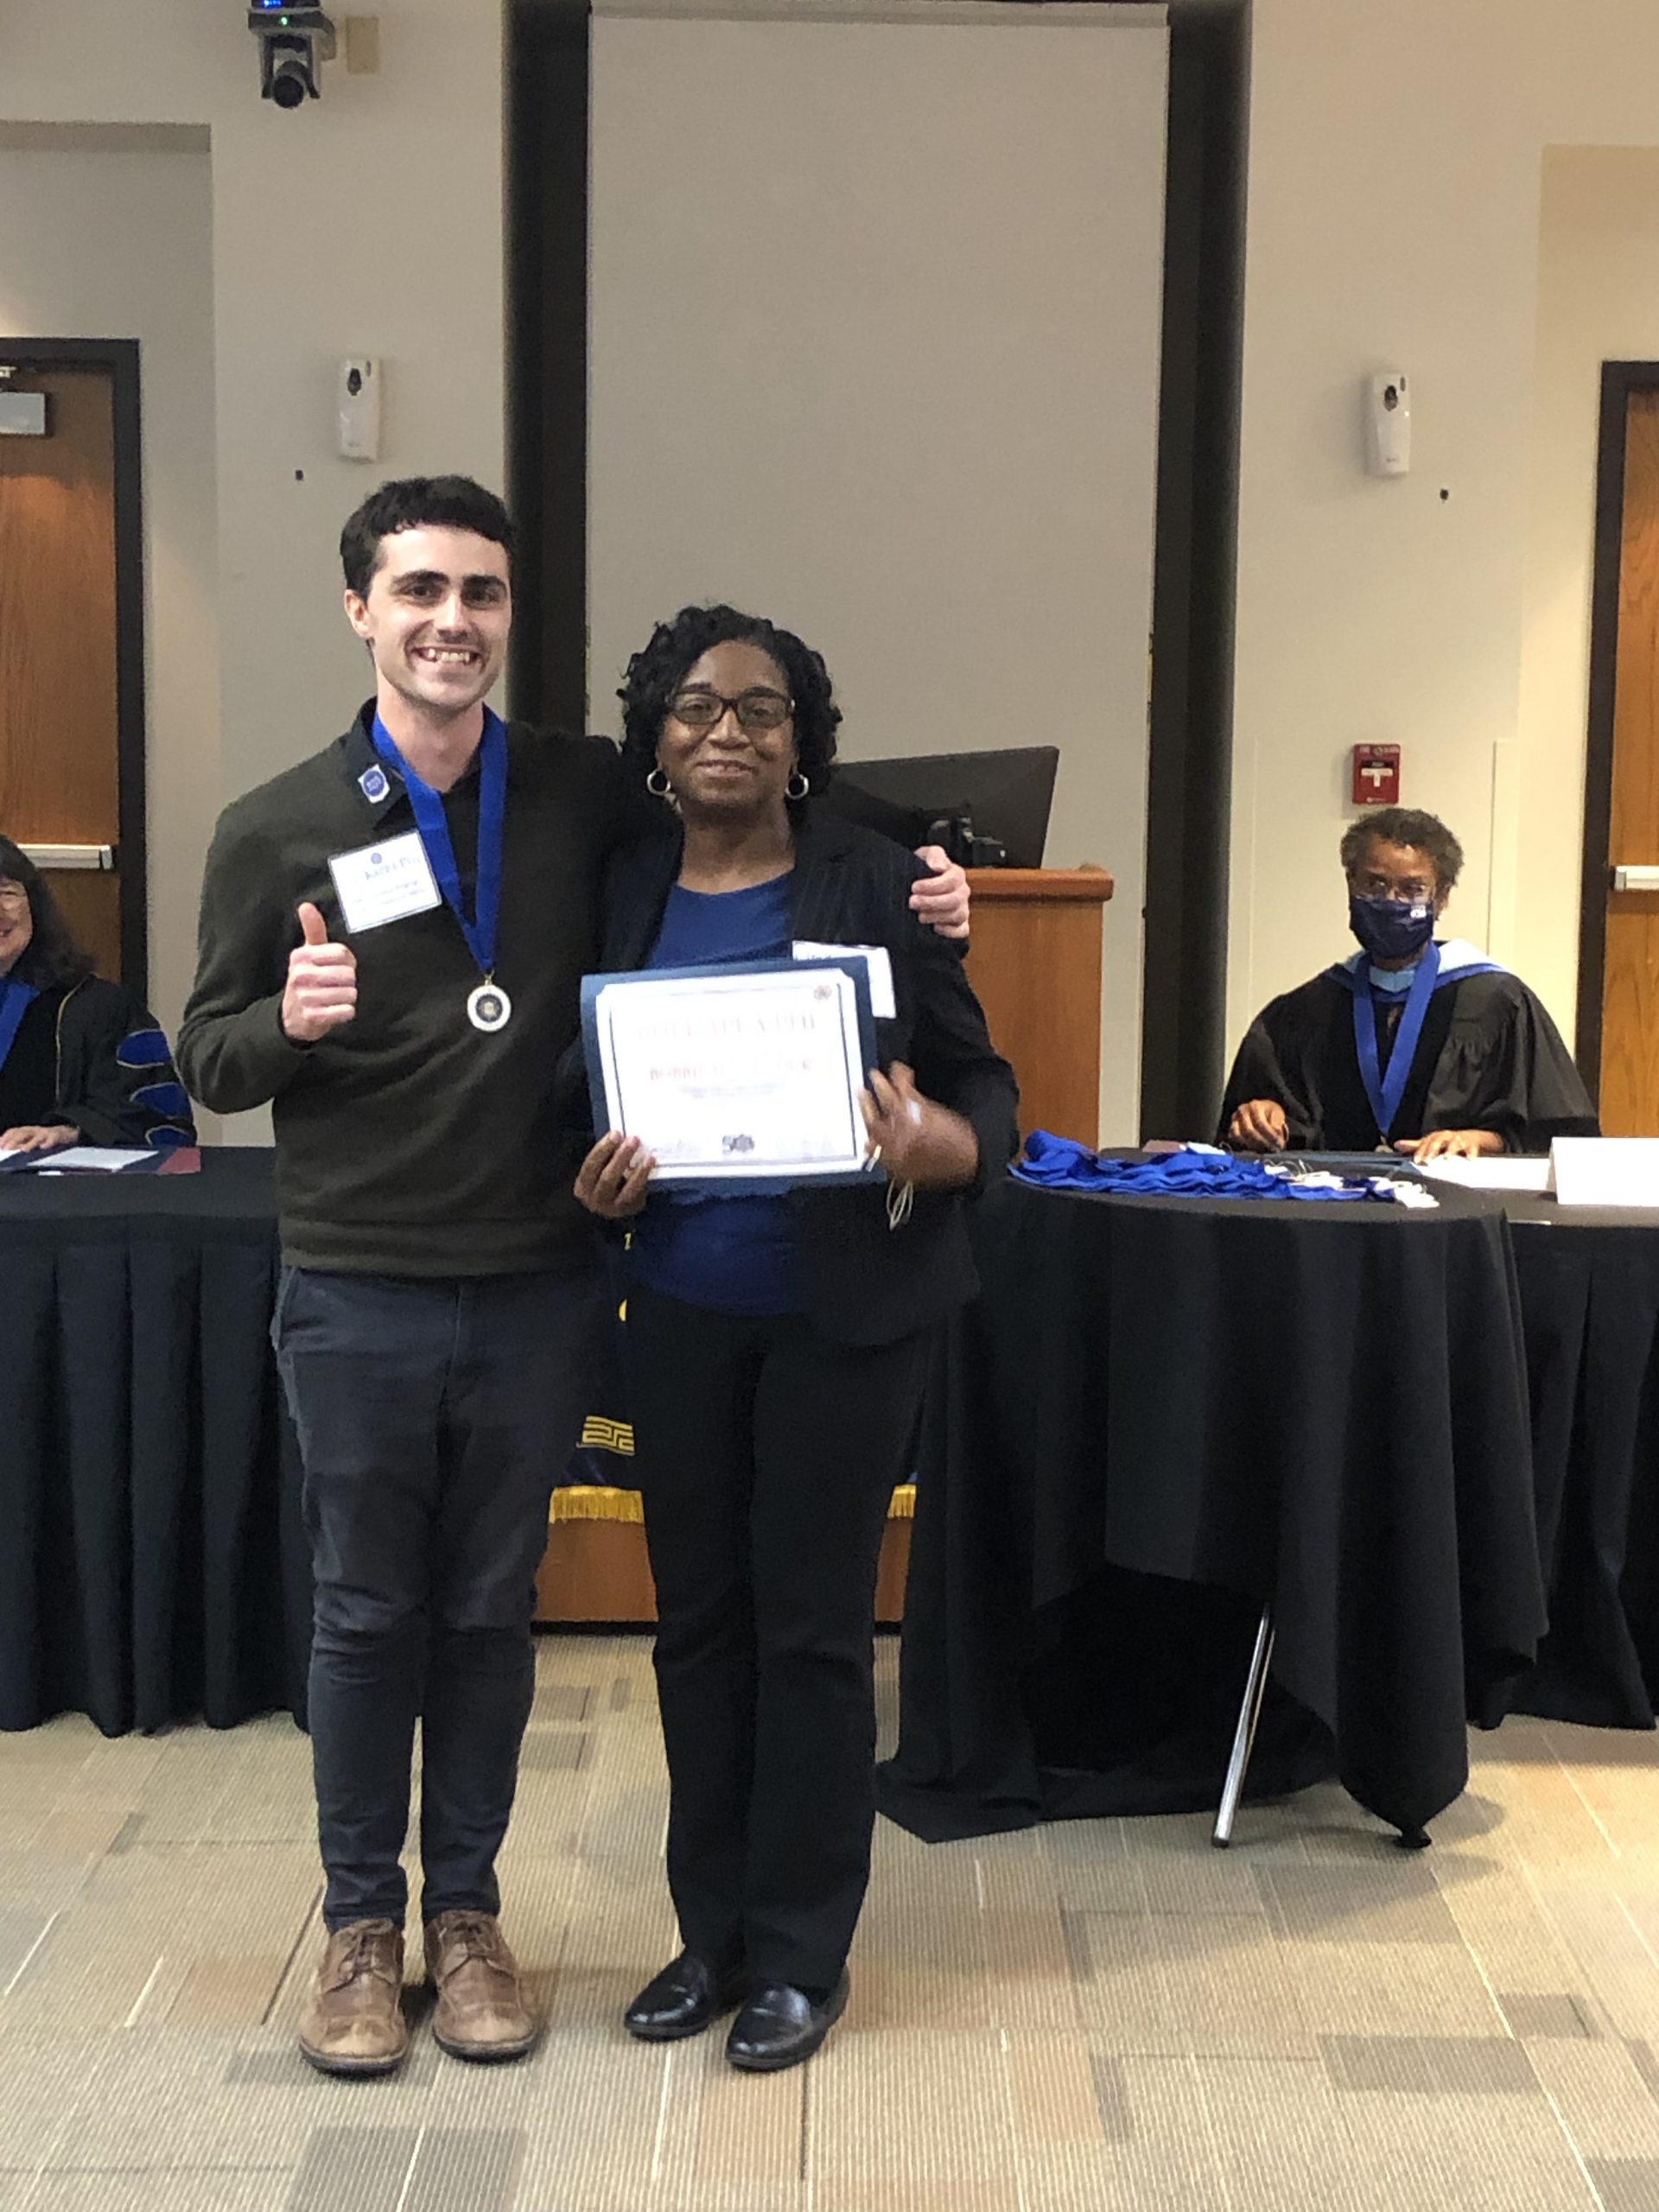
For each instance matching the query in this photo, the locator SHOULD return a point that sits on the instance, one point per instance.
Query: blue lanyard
(1062, 1164)
(15, 998)
(433, 824)
(1385, 1092)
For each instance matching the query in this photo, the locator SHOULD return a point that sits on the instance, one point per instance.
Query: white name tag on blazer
(383, 883)
(877, 967)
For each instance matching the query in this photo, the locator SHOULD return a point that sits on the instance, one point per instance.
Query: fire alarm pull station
(1376, 775)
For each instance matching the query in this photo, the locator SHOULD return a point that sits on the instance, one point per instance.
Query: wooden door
(59, 724)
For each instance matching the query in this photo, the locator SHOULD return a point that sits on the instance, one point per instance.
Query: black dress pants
(766, 1454)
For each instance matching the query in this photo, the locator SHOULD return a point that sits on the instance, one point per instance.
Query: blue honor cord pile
(1197, 1171)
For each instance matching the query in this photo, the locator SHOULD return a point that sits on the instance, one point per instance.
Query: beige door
(58, 778)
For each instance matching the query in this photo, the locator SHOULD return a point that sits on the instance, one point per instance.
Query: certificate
(736, 1078)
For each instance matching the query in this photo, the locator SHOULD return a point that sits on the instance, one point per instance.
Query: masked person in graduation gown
(82, 1060)
(1419, 1044)
(776, 1343)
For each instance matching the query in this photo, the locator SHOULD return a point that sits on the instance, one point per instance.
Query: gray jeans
(434, 1417)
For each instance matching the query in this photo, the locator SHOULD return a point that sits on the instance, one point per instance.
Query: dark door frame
(120, 357)
(547, 356)
(1195, 557)
(1618, 380)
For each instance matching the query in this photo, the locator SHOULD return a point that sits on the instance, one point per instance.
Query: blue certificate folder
(735, 1186)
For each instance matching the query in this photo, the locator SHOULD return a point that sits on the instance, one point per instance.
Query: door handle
(102, 857)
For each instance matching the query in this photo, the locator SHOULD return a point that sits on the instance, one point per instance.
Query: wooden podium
(1034, 960)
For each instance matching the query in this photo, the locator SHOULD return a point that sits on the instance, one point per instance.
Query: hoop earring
(790, 791)
(658, 785)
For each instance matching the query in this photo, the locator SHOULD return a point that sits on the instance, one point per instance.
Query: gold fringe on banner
(595, 1502)
(601, 1502)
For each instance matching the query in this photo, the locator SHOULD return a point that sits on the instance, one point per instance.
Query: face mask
(1388, 928)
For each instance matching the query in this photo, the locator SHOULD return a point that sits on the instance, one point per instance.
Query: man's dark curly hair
(656, 672)
(1405, 825)
(417, 503)
(51, 957)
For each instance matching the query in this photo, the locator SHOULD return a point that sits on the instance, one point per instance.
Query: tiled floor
(1096, 2016)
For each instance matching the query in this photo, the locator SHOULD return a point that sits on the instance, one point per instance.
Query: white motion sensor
(1387, 424)
(359, 409)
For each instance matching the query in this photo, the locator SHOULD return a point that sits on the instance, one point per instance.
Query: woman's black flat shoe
(780, 2027)
(683, 1997)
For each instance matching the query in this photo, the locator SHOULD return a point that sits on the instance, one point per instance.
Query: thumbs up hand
(320, 992)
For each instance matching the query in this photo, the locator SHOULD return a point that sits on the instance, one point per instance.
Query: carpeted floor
(1095, 2016)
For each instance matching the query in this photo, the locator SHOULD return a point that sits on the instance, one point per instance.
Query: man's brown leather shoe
(354, 2022)
(482, 2011)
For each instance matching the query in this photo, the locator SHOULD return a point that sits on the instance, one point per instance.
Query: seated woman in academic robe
(1412, 1044)
(81, 1061)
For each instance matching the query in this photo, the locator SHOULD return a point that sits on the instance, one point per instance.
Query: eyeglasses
(756, 710)
(1413, 893)
(13, 895)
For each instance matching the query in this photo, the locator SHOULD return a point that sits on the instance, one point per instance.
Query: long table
(1589, 1284)
(151, 1563)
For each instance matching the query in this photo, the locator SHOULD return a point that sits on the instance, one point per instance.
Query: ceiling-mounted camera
(294, 43)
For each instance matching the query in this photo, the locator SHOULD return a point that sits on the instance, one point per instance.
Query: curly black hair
(657, 671)
(52, 956)
(1405, 825)
(417, 503)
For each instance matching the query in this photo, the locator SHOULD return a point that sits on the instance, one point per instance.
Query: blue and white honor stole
(1440, 964)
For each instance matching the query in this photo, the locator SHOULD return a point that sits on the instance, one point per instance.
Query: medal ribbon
(430, 820)
(1385, 1092)
(15, 998)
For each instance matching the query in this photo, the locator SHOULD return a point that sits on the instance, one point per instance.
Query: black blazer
(866, 1284)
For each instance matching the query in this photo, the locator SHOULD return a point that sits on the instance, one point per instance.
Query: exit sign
(22, 414)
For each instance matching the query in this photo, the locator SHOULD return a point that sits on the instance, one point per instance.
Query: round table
(1163, 1412)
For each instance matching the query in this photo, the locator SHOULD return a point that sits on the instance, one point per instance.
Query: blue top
(15, 999)
(733, 1255)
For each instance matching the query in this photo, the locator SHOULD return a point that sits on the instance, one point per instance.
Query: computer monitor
(1005, 795)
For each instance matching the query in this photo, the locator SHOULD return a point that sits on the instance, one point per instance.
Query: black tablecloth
(151, 1565)
(1324, 1404)
(1589, 1280)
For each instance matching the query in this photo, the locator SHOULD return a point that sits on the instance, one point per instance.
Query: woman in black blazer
(776, 1346)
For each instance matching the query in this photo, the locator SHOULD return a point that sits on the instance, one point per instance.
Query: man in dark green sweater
(392, 939)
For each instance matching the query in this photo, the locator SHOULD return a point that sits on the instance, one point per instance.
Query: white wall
(81, 213)
(875, 351)
(368, 222)
(1396, 153)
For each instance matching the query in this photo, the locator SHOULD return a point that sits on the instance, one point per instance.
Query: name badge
(383, 883)
(877, 966)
